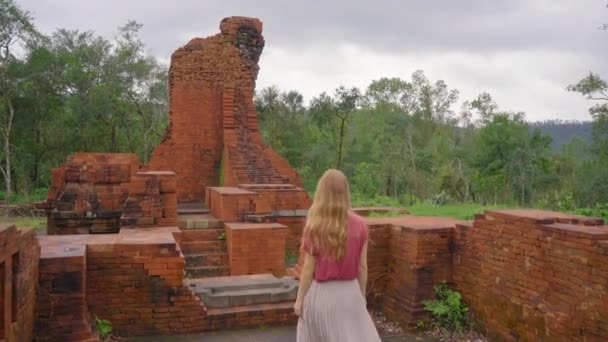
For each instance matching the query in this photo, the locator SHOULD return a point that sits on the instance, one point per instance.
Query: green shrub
(600, 210)
(447, 309)
(291, 258)
(104, 327)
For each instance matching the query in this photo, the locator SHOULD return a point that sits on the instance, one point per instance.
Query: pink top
(347, 268)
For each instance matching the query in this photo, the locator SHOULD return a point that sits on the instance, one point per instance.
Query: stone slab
(223, 292)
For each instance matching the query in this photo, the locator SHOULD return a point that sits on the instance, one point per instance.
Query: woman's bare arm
(305, 279)
(363, 269)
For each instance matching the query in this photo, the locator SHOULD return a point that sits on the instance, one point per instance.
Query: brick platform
(256, 248)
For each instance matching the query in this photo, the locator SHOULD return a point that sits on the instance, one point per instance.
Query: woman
(331, 299)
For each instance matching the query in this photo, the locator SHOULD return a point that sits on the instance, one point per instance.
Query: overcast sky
(523, 52)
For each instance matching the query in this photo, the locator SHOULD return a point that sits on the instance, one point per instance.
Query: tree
(336, 113)
(15, 28)
(143, 85)
(594, 88)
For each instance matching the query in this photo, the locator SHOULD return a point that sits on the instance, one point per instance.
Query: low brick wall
(256, 248)
(378, 256)
(61, 309)
(133, 279)
(420, 257)
(19, 255)
(275, 197)
(528, 277)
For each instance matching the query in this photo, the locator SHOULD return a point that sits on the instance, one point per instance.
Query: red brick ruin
(147, 246)
(213, 121)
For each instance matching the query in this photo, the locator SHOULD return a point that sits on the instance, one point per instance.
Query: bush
(104, 327)
(600, 210)
(447, 309)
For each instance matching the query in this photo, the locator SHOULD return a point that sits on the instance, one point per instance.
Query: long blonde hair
(325, 226)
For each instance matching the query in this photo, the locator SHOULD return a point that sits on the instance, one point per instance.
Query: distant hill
(563, 131)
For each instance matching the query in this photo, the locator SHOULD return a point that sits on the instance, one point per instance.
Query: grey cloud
(560, 37)
(391, 25)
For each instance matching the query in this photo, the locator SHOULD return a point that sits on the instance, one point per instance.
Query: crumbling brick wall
(535, 276)
(19, 255)
(212, 114)
(100, 192)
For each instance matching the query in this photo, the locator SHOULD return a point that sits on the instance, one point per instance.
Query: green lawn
(25, 221)
(463, 211)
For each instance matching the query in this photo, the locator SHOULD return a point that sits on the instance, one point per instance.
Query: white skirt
(334, 311)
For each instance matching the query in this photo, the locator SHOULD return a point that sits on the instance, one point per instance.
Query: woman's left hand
(298, 307)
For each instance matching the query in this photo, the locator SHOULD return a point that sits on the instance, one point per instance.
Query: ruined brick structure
(100, 192)
(213, 129)
(527, 275)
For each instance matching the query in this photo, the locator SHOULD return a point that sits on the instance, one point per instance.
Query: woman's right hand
(297, 308)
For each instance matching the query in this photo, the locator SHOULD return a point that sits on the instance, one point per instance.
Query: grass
(36, 223)
(36, 195)
(463, 211)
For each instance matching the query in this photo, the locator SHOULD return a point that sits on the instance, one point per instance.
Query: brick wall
(19, 255)
(152, 200)
(256, 248)
(378, 257)
(528, 277)
(420, 258)
(61, 309)
(139, 289)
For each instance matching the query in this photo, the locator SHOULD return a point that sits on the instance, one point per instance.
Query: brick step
(192, 211)
(202, 247)
(258, 218)
(200, 235)
(195, 208)
(283, 307)
(203, 260)
(190, 222)
(207, 271)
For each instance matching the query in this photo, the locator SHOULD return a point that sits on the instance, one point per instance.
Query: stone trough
(224, 292)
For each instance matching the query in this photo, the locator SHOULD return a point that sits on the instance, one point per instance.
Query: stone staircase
(202, 241)
(204, 252)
